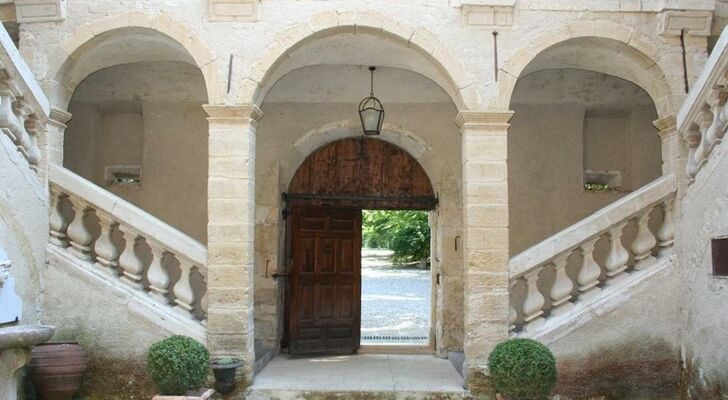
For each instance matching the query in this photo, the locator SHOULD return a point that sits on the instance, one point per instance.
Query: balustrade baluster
(705, 121)
(692, 139)
(644, 242)
(203, 299)
(107, 254)
(533, 305)
(157, 275)
(78, 233)
(563, 286)
(666, 233)
(589, 273)
(512, 313)
(57, 221)
(618, 256)
(183, 293)
(130, 263)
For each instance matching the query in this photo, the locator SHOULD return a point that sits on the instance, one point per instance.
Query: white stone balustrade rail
(125, 241)
(703, 117)
(24, 109)
(550, 288)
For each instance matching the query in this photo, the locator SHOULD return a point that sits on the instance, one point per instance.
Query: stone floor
(396, 302)
(371, 373)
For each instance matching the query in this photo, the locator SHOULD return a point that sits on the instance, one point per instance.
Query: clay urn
(56, 369)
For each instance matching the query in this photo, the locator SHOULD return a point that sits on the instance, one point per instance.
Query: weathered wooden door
(325, 280)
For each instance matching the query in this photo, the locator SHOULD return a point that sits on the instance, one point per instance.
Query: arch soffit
(204, 58)
(658, 88)
(328, 23)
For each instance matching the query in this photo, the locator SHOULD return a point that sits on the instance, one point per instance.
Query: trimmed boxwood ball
(178, 364)
(522, 368)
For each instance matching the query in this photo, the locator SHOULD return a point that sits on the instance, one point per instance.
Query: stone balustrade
(703, 118)
(24, 109)
(601, 250)
(120, 239)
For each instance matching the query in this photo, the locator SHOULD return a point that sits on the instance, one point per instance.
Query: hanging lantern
(371, 111)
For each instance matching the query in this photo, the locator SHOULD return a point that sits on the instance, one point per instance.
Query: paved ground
(395, 306)
(362, 372)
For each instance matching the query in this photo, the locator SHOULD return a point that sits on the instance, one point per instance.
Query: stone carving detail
(168, 250)
(493, 14)
(697, 23)
(10, 303)
(233, 10)
(542, 269)
(40, 10)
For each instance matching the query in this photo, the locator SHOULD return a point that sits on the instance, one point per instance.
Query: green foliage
(596, 187)
(523, 368)
(225, 360)
(407, 233)
(178, 364)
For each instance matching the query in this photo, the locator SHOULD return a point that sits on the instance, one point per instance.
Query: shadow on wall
(639, 369)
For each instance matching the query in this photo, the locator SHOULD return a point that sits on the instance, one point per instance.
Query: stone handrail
(174, 271)
(24, 109)
(703, 118)
(551, 288)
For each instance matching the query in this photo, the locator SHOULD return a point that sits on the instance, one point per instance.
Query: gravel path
(395, 302)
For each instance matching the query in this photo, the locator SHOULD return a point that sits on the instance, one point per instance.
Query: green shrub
(178, 364)
(522, 368)
(407, 233)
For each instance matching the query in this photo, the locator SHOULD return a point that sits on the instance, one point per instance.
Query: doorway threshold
(358, 376)
(395, 349)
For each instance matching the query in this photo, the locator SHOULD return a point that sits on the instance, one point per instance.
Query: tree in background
(407, 233)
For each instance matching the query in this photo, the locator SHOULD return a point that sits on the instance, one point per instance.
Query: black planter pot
(225, 376)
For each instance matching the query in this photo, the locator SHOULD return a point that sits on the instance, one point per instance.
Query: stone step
(280, 394)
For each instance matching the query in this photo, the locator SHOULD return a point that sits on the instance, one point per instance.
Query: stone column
(674, 152)
(231, 231)
(485, 235)
(50, 140)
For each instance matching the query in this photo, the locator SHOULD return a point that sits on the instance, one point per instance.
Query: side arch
(640, 49)
(458, 83)
(69, 74)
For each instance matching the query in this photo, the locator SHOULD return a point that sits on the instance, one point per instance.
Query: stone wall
(704, 325)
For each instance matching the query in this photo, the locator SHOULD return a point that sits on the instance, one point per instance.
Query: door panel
(325, 298)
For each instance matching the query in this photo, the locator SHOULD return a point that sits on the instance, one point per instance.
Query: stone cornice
(666, 125)
(483, 119)
(249, 112)
(59, 118)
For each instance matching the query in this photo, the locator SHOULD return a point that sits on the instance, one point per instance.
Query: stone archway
(324, 203)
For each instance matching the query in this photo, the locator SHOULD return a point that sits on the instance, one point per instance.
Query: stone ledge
(233, 10)
(696, 23)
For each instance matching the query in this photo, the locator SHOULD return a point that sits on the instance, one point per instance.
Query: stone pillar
(231, 231)
(674, 152)
(485, 234)
(50, 140)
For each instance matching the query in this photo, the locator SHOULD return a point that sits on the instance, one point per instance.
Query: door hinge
(285, 213)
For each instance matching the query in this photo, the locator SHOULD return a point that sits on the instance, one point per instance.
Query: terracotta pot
(56, 369)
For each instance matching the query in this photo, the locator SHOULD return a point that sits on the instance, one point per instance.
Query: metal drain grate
(394, 338)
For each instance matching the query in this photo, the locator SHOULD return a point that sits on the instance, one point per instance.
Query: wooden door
(325, 280)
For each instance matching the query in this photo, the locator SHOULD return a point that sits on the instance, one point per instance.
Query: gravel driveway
(396, 302)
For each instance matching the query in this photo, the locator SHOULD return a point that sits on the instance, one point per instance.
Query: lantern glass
(371, 113)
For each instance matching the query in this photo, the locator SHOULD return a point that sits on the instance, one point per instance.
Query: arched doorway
(324, 203)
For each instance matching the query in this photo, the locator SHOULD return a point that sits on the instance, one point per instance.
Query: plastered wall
(148, 115)
(561, 117)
